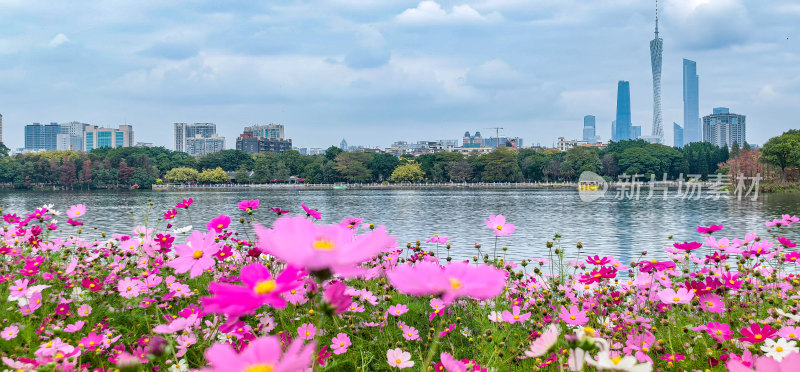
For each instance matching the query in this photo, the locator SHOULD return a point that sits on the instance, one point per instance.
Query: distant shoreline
(369, 186)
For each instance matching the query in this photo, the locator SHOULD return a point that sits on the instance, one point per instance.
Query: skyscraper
(623, 128)
(636, 132)
(184, 132)
(613, 130)
(41, 137)
(656, 46)
(343, 145)
(589, 129)
(723, 128)
(691, 105)
(677, 136)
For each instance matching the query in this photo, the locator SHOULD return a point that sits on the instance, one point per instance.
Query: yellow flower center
(516, 317)
(197, 254)
(791, 335)
(341, 344)
(500, 227)
(398, 361)
(779, 349)
(758, 337)
(219, 226)
(719, 333)
(676, 299)
(616, 360)
(322, 244)
(572, 317)
(265, 287)
(260, 368)
(455, 283)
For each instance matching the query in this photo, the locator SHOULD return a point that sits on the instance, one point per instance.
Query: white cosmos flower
(541, 345)
(779, 349)
(796, 318)
(495, 316)
(183, 230)
(628, 363)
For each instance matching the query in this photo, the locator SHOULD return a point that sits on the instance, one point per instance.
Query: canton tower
(656, 46)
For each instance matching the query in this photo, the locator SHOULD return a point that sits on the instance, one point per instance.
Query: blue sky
(376, 71)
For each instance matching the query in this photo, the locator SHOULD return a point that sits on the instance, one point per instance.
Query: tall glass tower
(623, 129)
(656, 46)
(691, 105)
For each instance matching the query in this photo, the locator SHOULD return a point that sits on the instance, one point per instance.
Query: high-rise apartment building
(472, 141)
(656, 48)
(251, 144)
(691, 103)
(266, 131)
(200, 145)
(41, 137)
(71, 136)
(184, 131)
(589, 129)
(623, 128)
(96, 137)
(677, 135)
(723, 128)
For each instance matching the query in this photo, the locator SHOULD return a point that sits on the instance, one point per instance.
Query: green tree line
(123, 167)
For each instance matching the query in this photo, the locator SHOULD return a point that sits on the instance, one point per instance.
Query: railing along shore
(412, 186)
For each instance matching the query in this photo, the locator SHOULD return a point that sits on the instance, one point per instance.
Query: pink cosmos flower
(263, 354)
(719, 331)
(302, 243)
(712, 303)
(398, 310)
(336, 297)
(756, 334)
(130, 288)
(351, 223)
(410, 333)
(184, 203)
(766, 364)
(311, 212)
(248, 205)
(259, 289)
(670, 296)
(306, 331)
(9, 333)
(515, 317)
(786, 242)
(573, 316)
(279, 211)
(456, 280)
(340, 343)
(437, 239)
(176, 325)
(72, 328)
(499, 225)
(450, 364)
(709, 230)
(170, 214)
(447, 330)
(219, 223)
(76, 211)
(544, 343)
(597, 261)
(197, 255)
(399, 358)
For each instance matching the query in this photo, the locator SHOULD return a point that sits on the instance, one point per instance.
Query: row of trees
(109, 168)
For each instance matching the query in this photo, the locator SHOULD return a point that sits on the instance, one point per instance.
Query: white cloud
(430, 12)
(58, 40)
(496, 75)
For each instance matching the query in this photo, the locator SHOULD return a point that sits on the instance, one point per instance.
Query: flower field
(274, 291)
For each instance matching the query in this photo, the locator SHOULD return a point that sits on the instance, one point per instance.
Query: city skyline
(382, 71)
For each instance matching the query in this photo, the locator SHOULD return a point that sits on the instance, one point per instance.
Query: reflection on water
(623, 228)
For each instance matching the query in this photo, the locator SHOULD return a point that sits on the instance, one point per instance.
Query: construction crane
(497, 134)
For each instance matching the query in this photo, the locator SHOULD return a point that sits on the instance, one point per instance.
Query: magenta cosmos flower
(248, 205)
(299, 242)
(185, 203)
(263, 354)
(687, 246)
(219, 223)
(76, 211)
(755, 334)
(456, 280)
(311, 212)
(499, 225)
(450, 364)
(259, 289)
(197, 255)
(709, 230)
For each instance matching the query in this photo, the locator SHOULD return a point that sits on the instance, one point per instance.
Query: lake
(622, 228)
